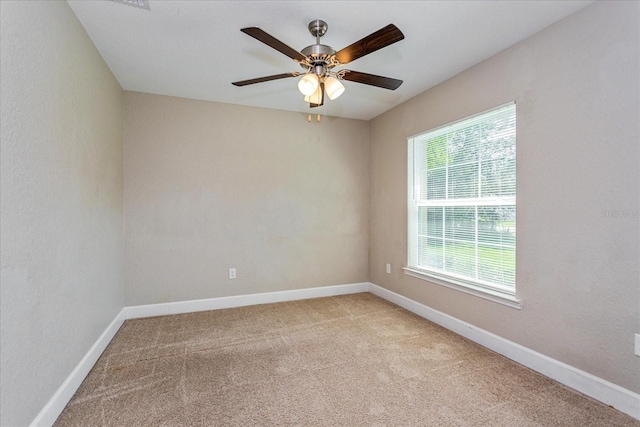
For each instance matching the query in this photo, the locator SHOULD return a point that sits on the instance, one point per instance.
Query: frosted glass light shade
(333, 87)
(315, 98)
(308, 84)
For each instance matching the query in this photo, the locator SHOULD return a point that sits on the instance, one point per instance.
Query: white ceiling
(195, 49)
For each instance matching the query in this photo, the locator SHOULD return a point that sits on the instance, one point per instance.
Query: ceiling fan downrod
(318, 54)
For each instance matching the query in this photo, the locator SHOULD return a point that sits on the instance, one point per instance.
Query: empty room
(367, 213)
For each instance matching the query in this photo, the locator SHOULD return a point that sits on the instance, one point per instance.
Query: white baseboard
(611, 394)
(52, 410)
(622, 399)
(138, 311)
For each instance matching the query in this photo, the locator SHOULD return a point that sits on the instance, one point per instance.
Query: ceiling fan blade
(371, 79)
(269, 40)
(381, 38)
(265, 79)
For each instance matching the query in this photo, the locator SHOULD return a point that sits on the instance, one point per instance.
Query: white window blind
(462, 201)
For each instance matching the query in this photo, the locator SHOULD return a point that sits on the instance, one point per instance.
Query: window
(462, 205)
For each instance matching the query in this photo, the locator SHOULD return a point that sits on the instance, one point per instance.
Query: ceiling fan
(318, 61)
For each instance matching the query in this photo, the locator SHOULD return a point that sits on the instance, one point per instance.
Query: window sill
(488, 294)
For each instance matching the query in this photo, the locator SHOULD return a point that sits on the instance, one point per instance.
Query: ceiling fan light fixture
(315, 97)
(309, 84)
(333, 87)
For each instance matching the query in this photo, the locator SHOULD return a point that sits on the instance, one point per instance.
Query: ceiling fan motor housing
(321, 57)
(318, 51)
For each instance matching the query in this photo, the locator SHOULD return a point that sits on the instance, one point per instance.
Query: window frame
(492, 291)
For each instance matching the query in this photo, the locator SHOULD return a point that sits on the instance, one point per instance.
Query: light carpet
(353, 360)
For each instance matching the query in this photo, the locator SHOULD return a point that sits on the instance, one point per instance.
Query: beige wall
(577, 94)
(210, 186)
(61, 223)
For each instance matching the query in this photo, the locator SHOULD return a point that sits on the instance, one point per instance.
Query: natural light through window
(462, 204)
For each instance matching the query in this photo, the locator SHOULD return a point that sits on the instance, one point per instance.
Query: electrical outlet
(637, 350)
(388, 268)
(232, 273)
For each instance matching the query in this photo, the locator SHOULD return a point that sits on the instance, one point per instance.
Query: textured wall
(577, 91)
(210, 186)
(61, 196)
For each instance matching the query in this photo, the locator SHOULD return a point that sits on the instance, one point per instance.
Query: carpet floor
(352, 360)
